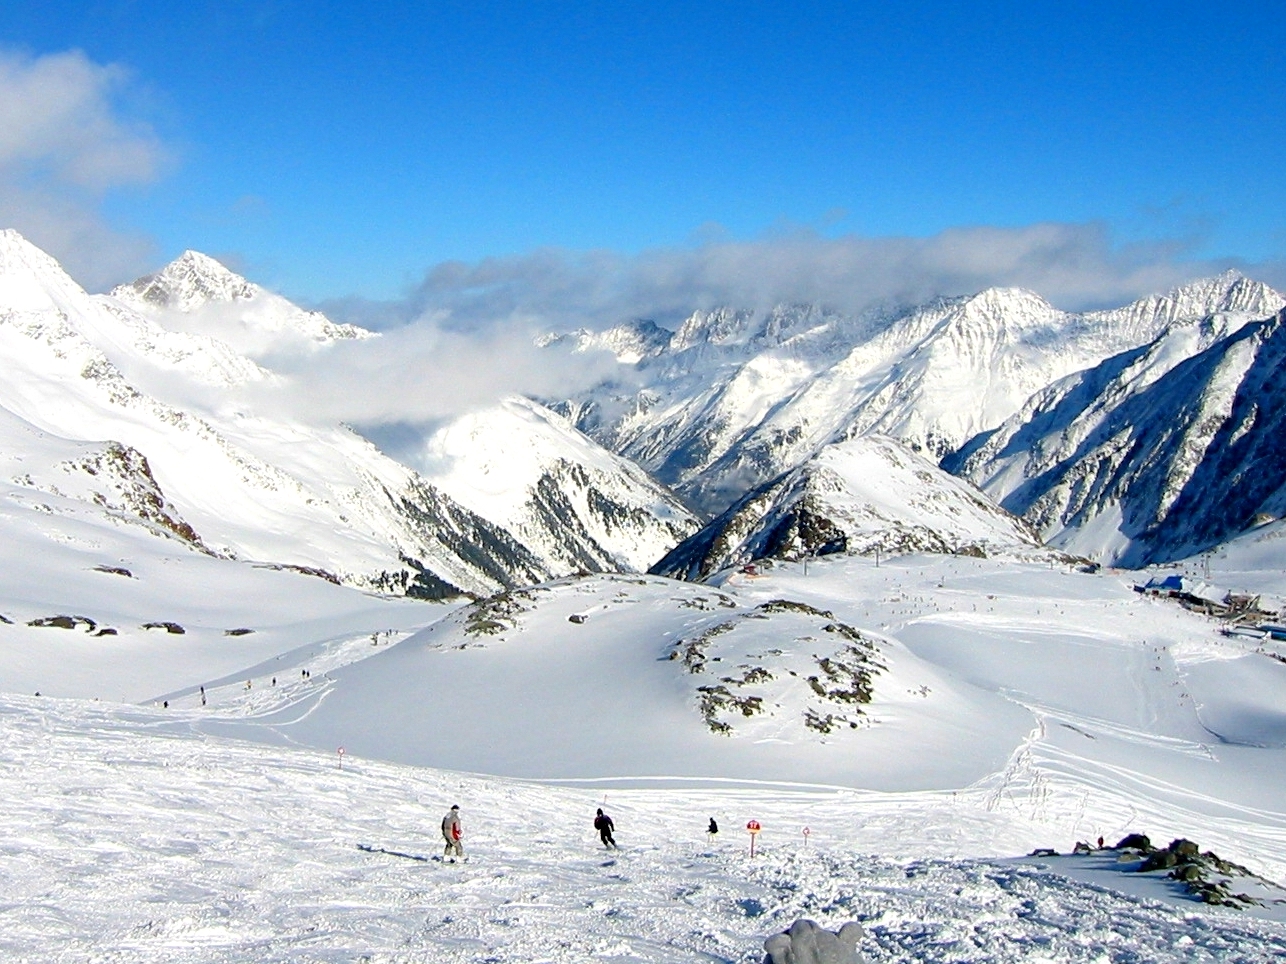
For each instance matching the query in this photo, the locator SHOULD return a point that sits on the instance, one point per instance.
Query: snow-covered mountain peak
(16, 249)
(1230, 293)
(195, 293)
(865, 495)
(997, 316)
(631, 341)
(994, 316)
(1154, 454)
(1014, 302)
(727, 327)
(190, 281)
(578, 506)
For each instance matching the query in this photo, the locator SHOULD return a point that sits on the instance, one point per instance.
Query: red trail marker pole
(753, 827)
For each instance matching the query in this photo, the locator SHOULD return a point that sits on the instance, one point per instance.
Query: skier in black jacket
(603, 824)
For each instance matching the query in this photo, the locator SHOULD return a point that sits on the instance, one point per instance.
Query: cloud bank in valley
(1075, 266)
(64, 144)
(423, 373)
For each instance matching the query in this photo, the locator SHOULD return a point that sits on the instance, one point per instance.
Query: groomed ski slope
(1076, 703)
(127, 838)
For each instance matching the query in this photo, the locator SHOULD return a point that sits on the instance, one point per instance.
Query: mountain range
(732, 402)
(1130, 436)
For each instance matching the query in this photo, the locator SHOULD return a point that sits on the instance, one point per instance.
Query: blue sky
(332, 149)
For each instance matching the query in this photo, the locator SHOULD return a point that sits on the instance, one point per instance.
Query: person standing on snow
(451, 833)
(603, 824)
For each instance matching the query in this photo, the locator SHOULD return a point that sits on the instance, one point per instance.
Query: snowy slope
(867, 495)
(928, 719)
(105, 592)
(515, 686)
(127, 840)
(1013, 706)
(575, 505)
(1156, 453)
(735, 398)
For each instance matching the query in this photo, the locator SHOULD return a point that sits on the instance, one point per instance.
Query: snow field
(124, 843)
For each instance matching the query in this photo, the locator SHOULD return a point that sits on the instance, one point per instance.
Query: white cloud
(420, 374)
(64, 143)
(1075, 266)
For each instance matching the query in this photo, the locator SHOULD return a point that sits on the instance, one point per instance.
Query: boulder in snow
(809, 943)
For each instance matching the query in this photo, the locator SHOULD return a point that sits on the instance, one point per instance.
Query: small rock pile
(1188, 865)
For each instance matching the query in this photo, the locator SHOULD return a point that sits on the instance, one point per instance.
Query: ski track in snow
(122, 842)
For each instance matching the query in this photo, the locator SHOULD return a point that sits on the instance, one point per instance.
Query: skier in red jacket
(451, 833)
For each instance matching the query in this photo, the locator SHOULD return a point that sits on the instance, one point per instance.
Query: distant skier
(603, 824)
(451, 833)
(712, 829)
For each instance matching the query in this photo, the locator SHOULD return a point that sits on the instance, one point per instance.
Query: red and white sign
(753, 826)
